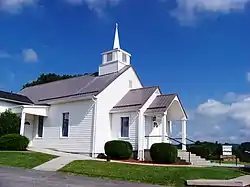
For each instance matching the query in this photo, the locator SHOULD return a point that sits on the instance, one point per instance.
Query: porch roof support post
(169, 130)
(184, 134)
(141, 136)
(164, 124)
(22, 123)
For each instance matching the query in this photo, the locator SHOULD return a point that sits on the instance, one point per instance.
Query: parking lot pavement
(16, 177)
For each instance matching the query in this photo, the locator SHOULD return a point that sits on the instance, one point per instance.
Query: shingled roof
(161, 103)
(88, 85)
(134, 99)
(16, 98)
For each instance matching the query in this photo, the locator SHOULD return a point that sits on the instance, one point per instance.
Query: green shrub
(9, 123)
(163, 153)
(118, 150)
(13, 142)
(199, 150)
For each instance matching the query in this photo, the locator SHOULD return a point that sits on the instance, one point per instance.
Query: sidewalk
(57, 163)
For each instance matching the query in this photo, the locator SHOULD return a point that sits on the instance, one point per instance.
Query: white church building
(81, 114)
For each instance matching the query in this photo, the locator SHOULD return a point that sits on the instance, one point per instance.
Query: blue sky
(197, 48)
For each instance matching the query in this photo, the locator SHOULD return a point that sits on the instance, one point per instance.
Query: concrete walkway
(236, 182)
(65, 158)
(57, 163)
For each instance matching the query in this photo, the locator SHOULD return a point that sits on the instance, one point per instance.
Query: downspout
(139, 136)
(94, 99)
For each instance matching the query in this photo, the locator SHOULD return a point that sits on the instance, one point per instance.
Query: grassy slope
(23, 159)
(172, 176)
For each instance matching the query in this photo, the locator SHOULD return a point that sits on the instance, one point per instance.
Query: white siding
(133, 124)
(4, 105)
(80, 127)
(106, 100)
(146, 121)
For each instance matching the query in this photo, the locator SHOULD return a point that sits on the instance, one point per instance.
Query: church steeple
(114, 60)
(116, 39)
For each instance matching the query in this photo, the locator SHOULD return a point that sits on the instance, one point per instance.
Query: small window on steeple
(109, 57)
(124, 57)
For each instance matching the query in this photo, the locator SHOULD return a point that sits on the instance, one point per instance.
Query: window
(124, 57)
(40, 127)
(130, 83)
(109, 57)
(124, 127)
(65, 125)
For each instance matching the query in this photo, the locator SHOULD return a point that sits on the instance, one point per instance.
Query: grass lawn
(171, 176)
(231, 162)
(23, 159)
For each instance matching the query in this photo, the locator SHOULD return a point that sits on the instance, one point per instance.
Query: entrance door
(28, 130)
(155, 135)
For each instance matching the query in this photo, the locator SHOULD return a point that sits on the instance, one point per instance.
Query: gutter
(15, 101)
(94, 126)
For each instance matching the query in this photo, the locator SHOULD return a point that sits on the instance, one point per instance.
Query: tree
(9, 123)
(46, 78)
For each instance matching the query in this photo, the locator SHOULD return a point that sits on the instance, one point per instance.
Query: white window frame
(111, 54)
(124, 57)
(61, 127)
(37, 134)
(129, 123)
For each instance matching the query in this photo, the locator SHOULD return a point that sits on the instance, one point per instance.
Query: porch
(160, 117)
(32, 119)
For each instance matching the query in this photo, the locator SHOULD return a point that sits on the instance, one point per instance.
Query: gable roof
(15, 98)
(134, 99)
(83, 86)
(161, 103)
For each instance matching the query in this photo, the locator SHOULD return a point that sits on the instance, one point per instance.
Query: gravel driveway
(16, 177)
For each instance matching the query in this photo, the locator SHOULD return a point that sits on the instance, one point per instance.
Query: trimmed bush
(163, 153)
(9, 123)
(13, 142)
(118, 149)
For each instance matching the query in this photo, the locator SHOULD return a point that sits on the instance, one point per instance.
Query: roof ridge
(90, 75)
(167, 94)
(145, 88)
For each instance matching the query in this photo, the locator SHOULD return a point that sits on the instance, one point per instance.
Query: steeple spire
(115, 59)
(116, 39)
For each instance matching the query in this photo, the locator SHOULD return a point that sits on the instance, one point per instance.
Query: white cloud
(97, 6)
(238, 110)
(15, 6)
(213, 108)
(29, 55)
(188, 11)
(224, 121)
(233, 97)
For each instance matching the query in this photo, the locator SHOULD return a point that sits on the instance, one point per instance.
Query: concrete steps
(194, 159)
